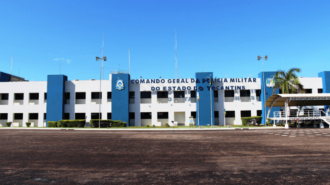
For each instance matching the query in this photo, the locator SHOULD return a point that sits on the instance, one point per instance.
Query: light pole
(211, 99)
(100, 93)
(263, 79)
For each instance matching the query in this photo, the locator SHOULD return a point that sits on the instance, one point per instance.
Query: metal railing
(309, 113)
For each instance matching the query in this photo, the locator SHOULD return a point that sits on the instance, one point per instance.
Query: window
(45, 96)
(109, 116)
(280, 91)
(216, 94)
(19, 96)
(80, 116)
(162, 115)
(245, 93)
(320, 91)
(229, 93)
(67, 96)
(109, 95)
(258, 92)
(3, 116)
(259, 112)
(145, 115)
(96, 95)
(230, 114)
(145, 94)
(18, 116)
(96, 115)
(161, 94)
(34, 96)
(80, 96)
(45, 116)
(308, 91)
(193, 94)
(4, 96)
(33, 116)
(66, 116)
(178, 94)
(293, 112)
(216, 114)
(308, 111)
(193, 114)
(245, 113)
(131, 115)
(131, 95)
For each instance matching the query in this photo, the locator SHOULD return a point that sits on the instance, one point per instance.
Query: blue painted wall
(4, 77)
(204, 100)
(120, 98)
(325, 75)
(269, 92)
(55, 97)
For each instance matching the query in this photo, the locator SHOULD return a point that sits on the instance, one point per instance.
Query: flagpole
(198, 105)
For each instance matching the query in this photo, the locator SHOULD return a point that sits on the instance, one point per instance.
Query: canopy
(278, 100)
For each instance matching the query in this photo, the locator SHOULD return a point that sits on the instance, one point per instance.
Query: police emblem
(120, 85)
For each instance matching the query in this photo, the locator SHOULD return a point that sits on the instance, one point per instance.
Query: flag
(210, 81)
(224, 111)
(197, 96)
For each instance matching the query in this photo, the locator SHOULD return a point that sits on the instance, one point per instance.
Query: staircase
(326, 119)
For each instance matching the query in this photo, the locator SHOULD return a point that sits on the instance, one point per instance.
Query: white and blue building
(142, 101)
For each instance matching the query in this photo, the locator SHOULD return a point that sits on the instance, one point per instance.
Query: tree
(288, 81)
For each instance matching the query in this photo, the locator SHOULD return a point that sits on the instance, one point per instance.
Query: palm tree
(288, 81)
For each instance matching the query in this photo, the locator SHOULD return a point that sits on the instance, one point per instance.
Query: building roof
(278, 100)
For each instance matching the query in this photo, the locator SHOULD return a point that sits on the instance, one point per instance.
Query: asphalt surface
(164, 157)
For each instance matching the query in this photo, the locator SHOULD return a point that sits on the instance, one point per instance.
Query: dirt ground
(155, 157)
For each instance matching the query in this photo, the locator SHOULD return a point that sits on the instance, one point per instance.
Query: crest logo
(270, 82)
(120, 85)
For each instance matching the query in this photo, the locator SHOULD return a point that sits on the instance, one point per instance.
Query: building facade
(222, 101)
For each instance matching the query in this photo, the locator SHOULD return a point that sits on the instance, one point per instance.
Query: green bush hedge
(247, 120)
(52, 123)
(107, 123)
(28, 124)
(8, 124)
(71, 123)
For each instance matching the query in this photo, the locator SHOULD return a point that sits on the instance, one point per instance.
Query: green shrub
(269, 122)
(28, 124)
(71, 123)
(191, 124)
(117, 123)
(247, 120)
(8, 124)
(153, 126)
(167, 125)
(107, 123)
(147, 125)
(52, 123)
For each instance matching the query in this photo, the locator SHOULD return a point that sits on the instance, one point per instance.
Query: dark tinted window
(109, 115)
(146, 94)
(96, 115)
(33, 116)
(109, 95)
(178, 94)
(245, 113)
(66, 116)
(19, 96)
(259, 113)
(34, 96)
(81, 96)
(162, 115)
(96, 95)
(67, 95)
(245, 93)
(320, 90)
(162, 94)
(216, 114)
(132, 94)
(80, 116)
(131, 115)
(258, 92)
(45, 96)
(193, 114)
(193, 94)
(45, 116)
(145, 115)
(4, 96)
(18, 116)
(308, 91)
(229, 93)
(215, 94)
(230, 114)
(3, 116)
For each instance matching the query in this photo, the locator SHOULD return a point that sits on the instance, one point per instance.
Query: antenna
(11, 66)
(129, 61)
(176, 57)
(102, 53)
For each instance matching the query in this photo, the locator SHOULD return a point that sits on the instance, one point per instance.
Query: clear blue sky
(227, 35)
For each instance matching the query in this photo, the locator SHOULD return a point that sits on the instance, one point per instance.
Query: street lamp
(100, 93)
(263, 78)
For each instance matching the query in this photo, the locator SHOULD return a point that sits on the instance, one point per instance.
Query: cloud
(67, 60)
